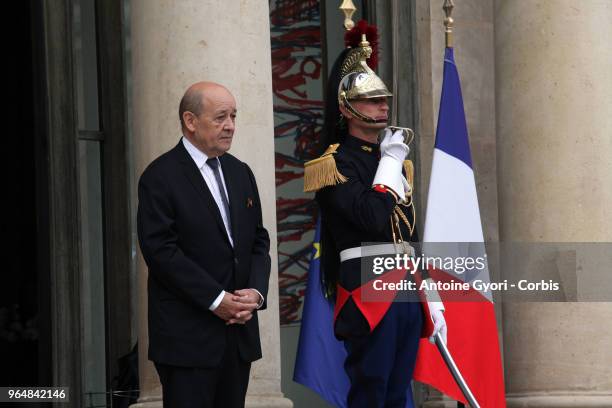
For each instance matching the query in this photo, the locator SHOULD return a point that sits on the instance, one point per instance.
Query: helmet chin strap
(358, 114)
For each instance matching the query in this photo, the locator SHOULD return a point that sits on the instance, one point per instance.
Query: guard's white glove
(437, 315)
(393, 145)
(393, 152)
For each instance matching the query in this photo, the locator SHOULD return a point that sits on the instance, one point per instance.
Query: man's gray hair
(192, 101)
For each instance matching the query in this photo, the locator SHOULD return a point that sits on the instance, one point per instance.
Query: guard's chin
(379, 124)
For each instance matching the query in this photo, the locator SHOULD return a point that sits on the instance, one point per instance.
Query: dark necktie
(214, 165)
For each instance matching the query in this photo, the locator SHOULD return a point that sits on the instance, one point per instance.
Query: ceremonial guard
(364, 189)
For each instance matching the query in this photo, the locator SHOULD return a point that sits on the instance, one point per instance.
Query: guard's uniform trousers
(380, 365)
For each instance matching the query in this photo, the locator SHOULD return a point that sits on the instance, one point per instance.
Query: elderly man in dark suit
(201, 234)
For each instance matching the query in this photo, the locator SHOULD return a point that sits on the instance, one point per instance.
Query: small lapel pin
(249, 202)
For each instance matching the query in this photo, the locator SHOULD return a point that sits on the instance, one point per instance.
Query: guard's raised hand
(393, 145)
(393, 152)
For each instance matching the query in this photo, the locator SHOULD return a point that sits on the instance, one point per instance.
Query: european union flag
(320, 356)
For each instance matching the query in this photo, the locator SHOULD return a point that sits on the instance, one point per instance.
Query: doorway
(65, 315)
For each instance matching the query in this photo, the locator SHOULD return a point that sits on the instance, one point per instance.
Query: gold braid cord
(398, 214)
(322, 172)
(398, 211)
(398, 239)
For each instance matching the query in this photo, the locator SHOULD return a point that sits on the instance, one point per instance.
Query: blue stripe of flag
(452, 135)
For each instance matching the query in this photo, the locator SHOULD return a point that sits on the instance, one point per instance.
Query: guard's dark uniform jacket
(352, 214)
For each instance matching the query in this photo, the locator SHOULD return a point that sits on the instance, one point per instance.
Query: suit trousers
(197, 387)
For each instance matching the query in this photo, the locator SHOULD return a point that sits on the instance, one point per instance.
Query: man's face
(213, 129)
(375, 108)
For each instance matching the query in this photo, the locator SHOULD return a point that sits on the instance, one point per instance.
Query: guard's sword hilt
(408, 134)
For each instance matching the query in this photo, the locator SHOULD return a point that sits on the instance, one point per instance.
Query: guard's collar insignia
(361, 145)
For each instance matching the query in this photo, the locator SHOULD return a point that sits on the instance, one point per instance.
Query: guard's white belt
(376, 250)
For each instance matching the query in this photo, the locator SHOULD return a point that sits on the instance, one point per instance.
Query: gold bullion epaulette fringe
(409, 169)
(322, 171)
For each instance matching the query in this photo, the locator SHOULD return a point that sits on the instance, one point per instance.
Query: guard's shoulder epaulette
(322, 171)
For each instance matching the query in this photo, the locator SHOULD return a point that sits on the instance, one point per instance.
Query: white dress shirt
(200, 158)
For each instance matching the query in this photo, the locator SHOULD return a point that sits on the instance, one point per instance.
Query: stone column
(554, 127)
(176, 43)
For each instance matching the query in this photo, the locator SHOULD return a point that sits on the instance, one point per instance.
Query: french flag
(453, 228)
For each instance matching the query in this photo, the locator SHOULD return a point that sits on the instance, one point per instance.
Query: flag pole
(348, 8)
(448, 22)
(446, 356)
(395, 66)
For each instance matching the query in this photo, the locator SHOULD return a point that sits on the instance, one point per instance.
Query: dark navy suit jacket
(190, 258)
